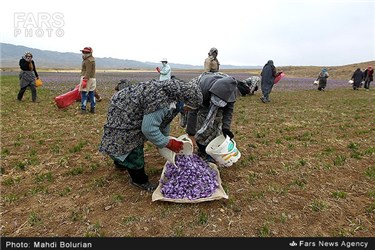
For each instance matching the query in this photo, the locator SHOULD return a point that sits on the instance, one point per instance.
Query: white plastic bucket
(223, 150)
(186, 150)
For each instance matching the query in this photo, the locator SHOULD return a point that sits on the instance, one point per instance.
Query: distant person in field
(165, 70)
(211, 64)
(322, 78)
(27, 76)
(268, 75)
(249, 85)
(142, 112)
(122, 84)
(88, 81)
(357, 78)
(368, 76)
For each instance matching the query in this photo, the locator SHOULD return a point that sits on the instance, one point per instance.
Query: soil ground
(307, 169)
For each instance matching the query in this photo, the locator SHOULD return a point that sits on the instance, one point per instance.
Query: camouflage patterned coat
(122, 131)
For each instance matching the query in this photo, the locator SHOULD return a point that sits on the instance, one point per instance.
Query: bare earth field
(307, 167)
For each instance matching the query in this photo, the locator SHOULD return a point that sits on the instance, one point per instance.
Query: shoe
(99, 99)
(92, 110)
(83, 111)
(264, 100)
(148, 186)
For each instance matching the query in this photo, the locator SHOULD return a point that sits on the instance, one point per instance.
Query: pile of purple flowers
(190, 178)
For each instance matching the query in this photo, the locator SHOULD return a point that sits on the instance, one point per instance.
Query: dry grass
(307, 169)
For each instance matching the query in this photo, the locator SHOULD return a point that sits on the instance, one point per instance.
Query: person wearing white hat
(165, 71)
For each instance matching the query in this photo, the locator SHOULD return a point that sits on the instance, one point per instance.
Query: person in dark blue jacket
(268, 77)
(357, 78)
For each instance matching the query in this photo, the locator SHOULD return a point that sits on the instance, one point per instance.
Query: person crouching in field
(249, 85)
(27, 76)
(322, 78)
(143, 112)
(214, 116)
(357, 78)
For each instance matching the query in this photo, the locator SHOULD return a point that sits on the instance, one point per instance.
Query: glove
(84, 83)
(227, 132)
(158, 69)
(175, 145)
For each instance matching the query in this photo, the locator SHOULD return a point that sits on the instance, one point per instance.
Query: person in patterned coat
(143, 112)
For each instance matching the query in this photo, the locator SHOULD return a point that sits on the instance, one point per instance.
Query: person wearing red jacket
(368, 76)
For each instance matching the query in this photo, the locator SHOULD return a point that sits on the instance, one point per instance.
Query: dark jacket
(25, 66)
(268, 73)
(357, 77)
(220, 85)
(368, 75)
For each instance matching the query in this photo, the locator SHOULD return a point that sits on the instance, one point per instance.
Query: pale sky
(246, 33)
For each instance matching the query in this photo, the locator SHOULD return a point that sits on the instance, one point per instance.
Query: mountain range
(11, 54)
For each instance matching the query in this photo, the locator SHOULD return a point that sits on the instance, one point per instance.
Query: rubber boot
(138, 175)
